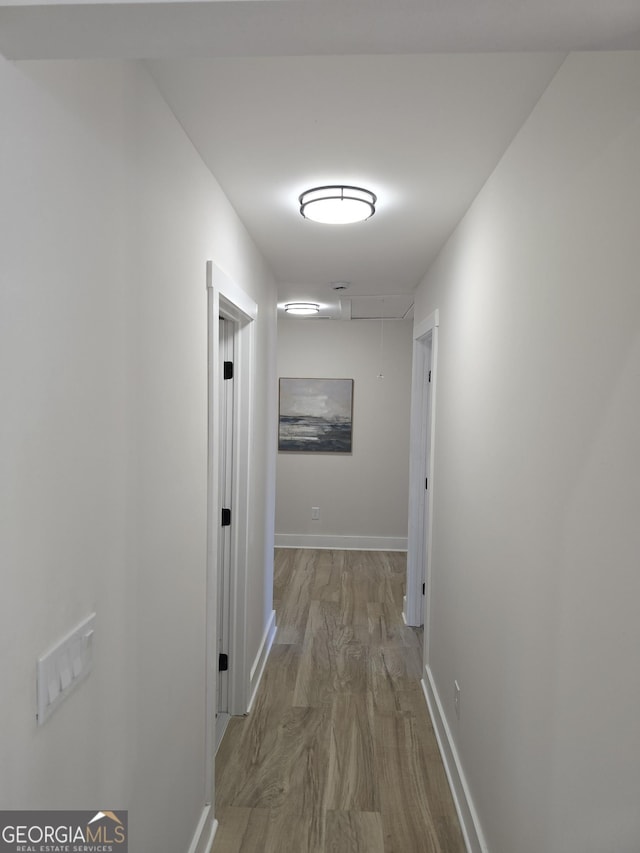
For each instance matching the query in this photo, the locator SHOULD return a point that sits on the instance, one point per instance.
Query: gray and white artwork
(316, 415)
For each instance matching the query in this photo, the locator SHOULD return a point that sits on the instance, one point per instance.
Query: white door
(421, 472)
(229, 448)
(427, 470)
(225, 538)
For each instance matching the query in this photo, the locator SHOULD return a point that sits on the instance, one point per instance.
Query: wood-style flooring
(338, 754)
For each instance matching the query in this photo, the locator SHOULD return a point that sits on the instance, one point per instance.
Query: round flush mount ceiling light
(302, 308)
(337, 205)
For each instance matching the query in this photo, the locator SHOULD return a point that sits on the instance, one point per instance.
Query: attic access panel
(315, 415)
(396, 307)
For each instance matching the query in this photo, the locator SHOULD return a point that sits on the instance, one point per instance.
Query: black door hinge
(426, 483)
(429, 376)
(228, 370)
(423, 588)
(223, 662)
(226, 517)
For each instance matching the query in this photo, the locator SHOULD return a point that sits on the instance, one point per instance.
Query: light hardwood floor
(338, 754)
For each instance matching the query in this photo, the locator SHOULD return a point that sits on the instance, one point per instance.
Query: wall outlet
(456, 698)
(315, 513)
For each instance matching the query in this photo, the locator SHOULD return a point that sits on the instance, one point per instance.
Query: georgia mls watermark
(63, 832)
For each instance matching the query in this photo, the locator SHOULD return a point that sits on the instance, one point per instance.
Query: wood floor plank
(414, 790)
(357, 589)
(294, 604)
(240, 830)
(385, 628)
(292, 830)
(332, 661)
(393, 672)
(354, 832)
(252, 743)
(283, 568)
(284, 759)
(328, 575)
(226, 767)
(338, 754)
(352, 781)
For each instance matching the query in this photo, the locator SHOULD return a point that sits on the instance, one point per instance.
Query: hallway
(338, 753)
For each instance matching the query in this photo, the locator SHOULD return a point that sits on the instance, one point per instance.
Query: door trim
(225, 298)
(227, 462)
(422, 447)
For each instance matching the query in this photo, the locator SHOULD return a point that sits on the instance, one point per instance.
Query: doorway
(421, 479)
(230, 320)
(226, 413)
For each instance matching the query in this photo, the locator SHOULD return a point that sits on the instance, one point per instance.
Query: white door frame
(422, 446)
(226, 299)
(227, 461)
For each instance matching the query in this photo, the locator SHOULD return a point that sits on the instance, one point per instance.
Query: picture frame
(315, 415)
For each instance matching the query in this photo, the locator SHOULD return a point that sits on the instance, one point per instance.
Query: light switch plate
(63, 667)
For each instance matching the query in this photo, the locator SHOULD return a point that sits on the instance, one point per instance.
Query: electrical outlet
(456, 698)
(315, 513)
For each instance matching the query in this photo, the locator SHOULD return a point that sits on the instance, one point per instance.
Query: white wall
(108, 219)
(537, 474)
(364, 494)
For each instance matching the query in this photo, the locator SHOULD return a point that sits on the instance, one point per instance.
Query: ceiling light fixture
(302, 308)
(337, 205)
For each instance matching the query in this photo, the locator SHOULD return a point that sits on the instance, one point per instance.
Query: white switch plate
(315, 513)
(63, 667)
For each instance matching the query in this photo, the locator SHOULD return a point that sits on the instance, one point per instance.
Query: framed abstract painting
(315, 415)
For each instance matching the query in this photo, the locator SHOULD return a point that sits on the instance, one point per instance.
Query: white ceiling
(423, 132)
(415, 99)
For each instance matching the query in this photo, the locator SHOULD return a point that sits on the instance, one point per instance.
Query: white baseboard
(469, 822)
(202, 840)
(341, 543)
(261, 658)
